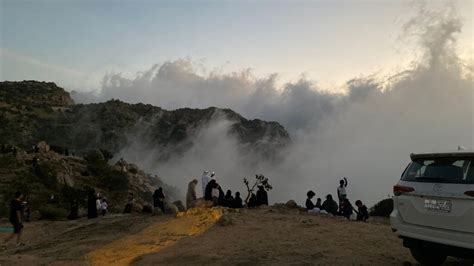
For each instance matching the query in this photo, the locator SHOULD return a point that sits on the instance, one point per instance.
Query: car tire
(427, 255)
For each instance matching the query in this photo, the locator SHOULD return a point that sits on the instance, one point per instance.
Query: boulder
(179, 205)
(291, 204)
(170, 208)
(43, 147)
(147, 209)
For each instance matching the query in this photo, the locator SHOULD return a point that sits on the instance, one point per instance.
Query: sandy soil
(269, 236)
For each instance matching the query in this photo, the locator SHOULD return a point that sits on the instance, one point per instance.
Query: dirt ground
(267, 236)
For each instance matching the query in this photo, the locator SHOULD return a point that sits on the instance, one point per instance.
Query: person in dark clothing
(159, 199)
(66, 152)
(74, 213)
(346, 209)
(309, 204)
(34, 163)
(129, 205)
(14, 151)
(330, 205)
(237, 202)
(318, 203)
(262, 196)
(362, 212)
(220, 200)
(15, 219)
(252, 201)
(209, 187)
(228, 199)
(91, 205)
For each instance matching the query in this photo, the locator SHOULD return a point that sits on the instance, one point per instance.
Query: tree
(260, 180)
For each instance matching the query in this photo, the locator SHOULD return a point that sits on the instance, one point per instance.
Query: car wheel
(427, 255)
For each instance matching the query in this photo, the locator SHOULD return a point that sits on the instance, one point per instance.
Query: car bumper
(430, 234)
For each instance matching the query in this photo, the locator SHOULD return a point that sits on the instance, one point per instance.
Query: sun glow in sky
(75, 43)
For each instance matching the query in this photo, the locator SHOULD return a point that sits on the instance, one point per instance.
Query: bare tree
(260, 180)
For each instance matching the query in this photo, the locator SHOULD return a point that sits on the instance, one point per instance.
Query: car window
(441, 170)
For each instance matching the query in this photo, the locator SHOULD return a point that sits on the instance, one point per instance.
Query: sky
(76, 43)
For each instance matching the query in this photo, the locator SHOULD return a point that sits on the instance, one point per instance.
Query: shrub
(46, 174)
(52, 212)
(96, 163)
(383, 208)
(115, 180)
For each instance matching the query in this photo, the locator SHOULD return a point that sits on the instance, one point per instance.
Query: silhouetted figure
(252, 201)
(74, 213)
(104, 206)
(362, 212)
(130, 202)
(159, 199)
(228, 199)
(215, 194)
(14, 151)
(91, 205)
(309, 204)
(66, 152)
(341, 191)
(221, 198)
(16, 219)
(318, 203)
(209, 187)
(191, 195)
(346, 209)
(237, 202)
(330, 205)
(262, 196)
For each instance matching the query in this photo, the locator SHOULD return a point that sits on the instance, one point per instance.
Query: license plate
(438, 205)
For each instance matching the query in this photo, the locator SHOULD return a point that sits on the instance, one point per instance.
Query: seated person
(362, 212)
(330, 205)
(310, 207)
(346, 208)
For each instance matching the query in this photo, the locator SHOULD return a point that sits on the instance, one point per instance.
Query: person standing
(262, 196)
(237, 203)
(215, 194)
(130, 202)
(92, 205)
(15, 219)
(191, 195)
(228, 199)
(341, 191)
(103, 206)
(159, 199)
(205, 179)
(98, 203)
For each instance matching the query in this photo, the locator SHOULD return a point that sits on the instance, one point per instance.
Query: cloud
(365, 134)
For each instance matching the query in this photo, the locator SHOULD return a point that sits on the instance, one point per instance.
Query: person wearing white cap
(205, 180)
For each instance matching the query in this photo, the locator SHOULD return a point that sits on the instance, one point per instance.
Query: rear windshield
(441, 170)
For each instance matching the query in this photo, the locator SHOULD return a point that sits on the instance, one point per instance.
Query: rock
(291, 204)
(170, 208)
(147, 209)
(180, 205)
(157, 211)
(43, 147)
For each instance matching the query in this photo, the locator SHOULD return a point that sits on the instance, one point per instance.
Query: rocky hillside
(44, 173)
(34, 111)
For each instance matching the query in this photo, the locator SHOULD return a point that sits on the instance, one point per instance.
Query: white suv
(433, 207)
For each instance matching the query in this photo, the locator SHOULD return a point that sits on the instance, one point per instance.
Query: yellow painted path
(155, 237)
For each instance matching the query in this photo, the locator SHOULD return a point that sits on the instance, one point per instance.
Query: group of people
(213, 192)
(96, 205)
(343, 208)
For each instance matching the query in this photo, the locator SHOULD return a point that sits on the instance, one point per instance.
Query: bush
(47, 175)
(115, 180)
(52, 212)
(383, 208)
(96, 163)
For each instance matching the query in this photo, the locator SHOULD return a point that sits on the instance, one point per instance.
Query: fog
(365, 134)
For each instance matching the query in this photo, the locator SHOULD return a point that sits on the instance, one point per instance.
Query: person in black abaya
(262, 196)
(228, 199)
(159, 199)
(91, 205)
(237, 202)
(208, 192)
(252, 201)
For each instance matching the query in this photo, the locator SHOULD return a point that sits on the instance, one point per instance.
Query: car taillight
(469, 193)
(399, 190)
